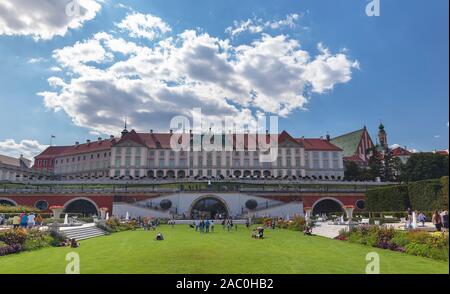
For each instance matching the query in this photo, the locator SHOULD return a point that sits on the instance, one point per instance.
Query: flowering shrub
(16, 236)
(10, 249)
(113, 225)
(418, 243)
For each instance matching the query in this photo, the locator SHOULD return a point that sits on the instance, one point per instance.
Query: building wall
(142, 161)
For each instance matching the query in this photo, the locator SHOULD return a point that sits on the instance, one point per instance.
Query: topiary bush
(251, 204)
(393, 198)
(165, 204)
(426, 195)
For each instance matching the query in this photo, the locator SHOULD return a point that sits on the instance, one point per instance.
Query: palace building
(150, 156)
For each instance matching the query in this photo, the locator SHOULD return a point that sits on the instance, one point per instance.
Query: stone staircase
(83, 233)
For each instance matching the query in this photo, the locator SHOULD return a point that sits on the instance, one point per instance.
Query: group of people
(25, 220)
(203, 226)
(439, 219)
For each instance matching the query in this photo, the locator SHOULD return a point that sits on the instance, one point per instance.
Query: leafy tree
(424, 166)
(352, 171)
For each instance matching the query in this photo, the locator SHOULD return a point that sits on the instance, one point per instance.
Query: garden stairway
(83, 232)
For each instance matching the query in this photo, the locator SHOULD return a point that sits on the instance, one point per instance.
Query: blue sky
(398, 63)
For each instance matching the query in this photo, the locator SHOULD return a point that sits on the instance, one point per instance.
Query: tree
(392, 167)
(425, 166)
(352, 171)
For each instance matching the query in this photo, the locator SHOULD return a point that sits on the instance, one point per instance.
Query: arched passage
(209, 207)
(7, 202)
(327, 206)
(81, 206)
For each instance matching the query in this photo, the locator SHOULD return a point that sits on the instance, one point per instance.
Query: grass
(187, 252)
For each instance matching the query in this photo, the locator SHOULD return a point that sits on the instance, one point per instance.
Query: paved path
(329, 231)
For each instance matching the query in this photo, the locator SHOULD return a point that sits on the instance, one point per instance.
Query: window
(128, 151)
(117, 173)
(219, 161)
(118, 161)
(138, 162)
(298, 161)
(127, 173)
(200, 161)
(288, 151)
(152, 153)
(128, 161)
(246, 163)
(162, 162)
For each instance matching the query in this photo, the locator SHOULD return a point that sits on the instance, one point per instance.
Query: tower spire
(125, 131)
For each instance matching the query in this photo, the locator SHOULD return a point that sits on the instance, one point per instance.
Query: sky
(77, 69)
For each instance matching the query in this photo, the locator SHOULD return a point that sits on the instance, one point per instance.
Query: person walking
(24, 221)
(212, 226)
(207, 224)
(197, 225)
(202, 226)
(445, 220)
(437, 221)
(31, 221)
(16, 221)
(422, 218)
(39, 220)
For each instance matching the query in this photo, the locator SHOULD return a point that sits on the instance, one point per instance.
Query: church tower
(382, 137)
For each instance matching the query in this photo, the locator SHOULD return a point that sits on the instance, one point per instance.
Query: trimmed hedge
(426, 195)
(388, 199)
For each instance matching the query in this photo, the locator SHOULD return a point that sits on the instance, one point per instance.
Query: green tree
(425, 166)
(352, 171)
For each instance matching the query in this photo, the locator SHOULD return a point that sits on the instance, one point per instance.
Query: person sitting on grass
(74, 243)
(308, 230)
(258, 233)
(159, 237)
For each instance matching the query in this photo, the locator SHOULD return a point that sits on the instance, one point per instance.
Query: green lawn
(187, 252)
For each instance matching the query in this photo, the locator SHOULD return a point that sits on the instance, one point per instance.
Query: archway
(171, 174)
(247, 173)
(327, 206)
(160, 174)
(81, 206)
(257, 173)
(267, 174)
(151, 174)
(237, 173)
(181, 174)
(7, 202)
(209, 207)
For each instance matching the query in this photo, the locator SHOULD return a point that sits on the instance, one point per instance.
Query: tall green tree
(425, 166)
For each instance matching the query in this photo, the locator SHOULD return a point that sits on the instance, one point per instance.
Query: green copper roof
(348, 142)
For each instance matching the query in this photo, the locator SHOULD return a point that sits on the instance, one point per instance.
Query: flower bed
(114, 225)
(17, 240)
(420, 243)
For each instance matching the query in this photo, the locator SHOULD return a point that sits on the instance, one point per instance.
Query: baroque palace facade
(150, 156)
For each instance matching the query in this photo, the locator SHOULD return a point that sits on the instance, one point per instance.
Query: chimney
(171, 132)
(100, 138)
(111, 137)
(267, 132)
(151, 131)
(88, 141)
(77, 143)
(328, 138)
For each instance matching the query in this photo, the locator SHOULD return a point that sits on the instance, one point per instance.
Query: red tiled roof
(132, 136)
(318, 144)
(52, 152)
(355, 158)
(399, 151)
(442, 152)
(94, 146)
(155, 140)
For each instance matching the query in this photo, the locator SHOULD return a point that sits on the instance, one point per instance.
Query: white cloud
(141, 25)
(28, 148)
(437, 136)
(35, 60)
(258, 25)
(107, 79)
(43, 19)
